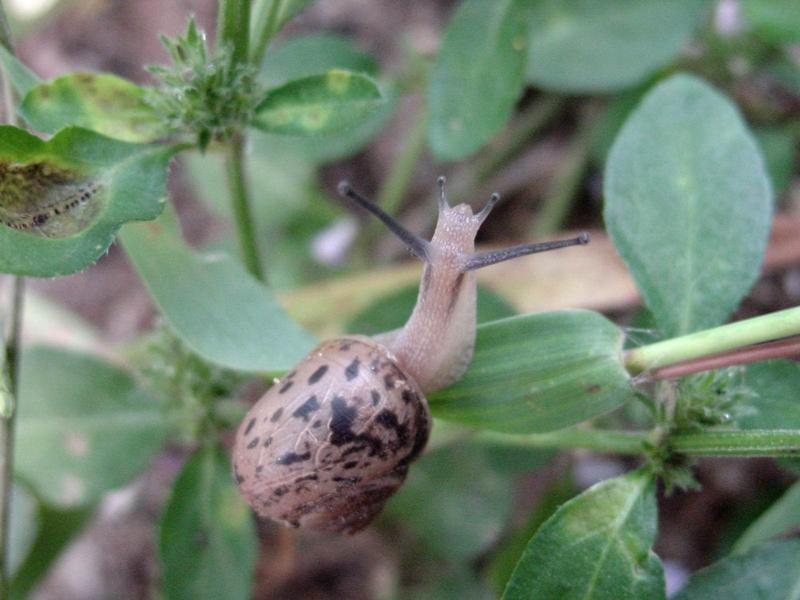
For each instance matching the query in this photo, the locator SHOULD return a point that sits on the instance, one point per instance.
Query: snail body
(329, 443)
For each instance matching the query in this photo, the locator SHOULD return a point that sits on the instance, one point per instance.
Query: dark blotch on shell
(304, 410)
(292, 457)
(351, 372)
(318, 374)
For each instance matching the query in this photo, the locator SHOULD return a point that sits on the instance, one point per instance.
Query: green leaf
(454, 502)
(777, 519)
(308, 55)
(538, 372)
(773, 389)
(319, 104)
(596, 546)
(21, 78)
(478, 75)
(84, 426)
(63, 200)
(776, 21)
(778, 147)
(767, 572)
(104, 103)
(688, 204)
(587, 46)
(207, 540)
(392, 311)
(24, 526)
(220, 311)
(57, 528)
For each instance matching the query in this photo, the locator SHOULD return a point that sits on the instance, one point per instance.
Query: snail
(330, 442)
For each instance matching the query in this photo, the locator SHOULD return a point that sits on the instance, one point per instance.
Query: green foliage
(64, 199)
(466, 502)
(208, 95)
(587, 46)
(538, 373)
(597, 545)
(776, 21)
(318, 104)
(84, 427)
(769, 571)
(782, 516)
(20, 77)
(711, 398)
(688, 204)
(103, 103)
(207, 544)
(773, 386)
(478, 75)
(24, 526)
(217, 309)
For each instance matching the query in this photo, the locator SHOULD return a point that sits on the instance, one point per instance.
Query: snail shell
(328, 444)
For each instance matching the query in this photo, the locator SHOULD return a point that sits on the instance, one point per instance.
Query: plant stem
(9, 369)
(233, 28)
(240, 203)
(396, 184)
(623, 442)
(755, 442)
(10, 376)
(566, 182)
(265, 26)
(789, 347)
(761, 329)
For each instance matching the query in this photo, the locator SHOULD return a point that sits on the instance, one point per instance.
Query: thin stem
(265, 26)
(233, 28)
(755, 442)
(10, 376)
(787, 348)
(761, 329)
(622, 442)
(396, 184)
(240, 203)
(565, 185)
(9, 370)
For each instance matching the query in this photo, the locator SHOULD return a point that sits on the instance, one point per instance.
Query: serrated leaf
(767, 572)
(219, 310)
(537, 373)
(84, 427)
(207, 541)
(318, 104)
(781, 516)
(63, 200)
(21, 78)
(772, 395)
(776, 21)
(587, 46)
(688, 204)
(478, 75)
(104, 103)
(596, 546)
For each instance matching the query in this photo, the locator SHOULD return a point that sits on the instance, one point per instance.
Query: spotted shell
(328, 444)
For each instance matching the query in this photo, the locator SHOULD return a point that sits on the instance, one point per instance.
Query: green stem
(9, 369)
(765, 328)
(265, 26)
(566, 182)
(240, 203)
(233, 28)
(9, 386)
(396, 184)
(623, 442)
(756, 442)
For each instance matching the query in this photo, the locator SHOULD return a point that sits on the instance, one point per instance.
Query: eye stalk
(484, 259)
